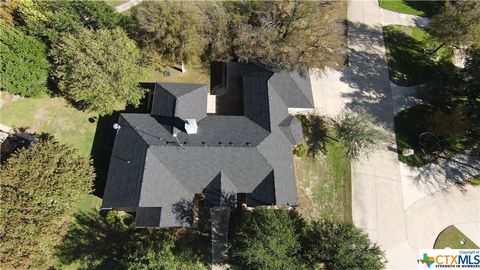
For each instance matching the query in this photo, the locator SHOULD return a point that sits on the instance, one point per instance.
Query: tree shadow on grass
(409, 63)
(429, 7)
(315, 131)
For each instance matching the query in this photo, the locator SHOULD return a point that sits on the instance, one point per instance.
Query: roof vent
(191, 126)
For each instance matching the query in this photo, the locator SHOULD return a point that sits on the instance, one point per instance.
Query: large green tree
(50, 20)
(166, 31)
(457, 25)
(110, 241)
(287, 34)
(340, 246)
(280, 239)
(23, 63)
(98, 69)
(265, 239)
(41, 186)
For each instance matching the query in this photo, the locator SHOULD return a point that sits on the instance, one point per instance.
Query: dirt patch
(7, 98)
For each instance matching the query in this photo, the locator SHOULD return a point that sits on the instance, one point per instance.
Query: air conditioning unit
(191, 126)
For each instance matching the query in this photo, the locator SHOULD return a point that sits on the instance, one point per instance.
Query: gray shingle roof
(250, 154)
(294, 89)
(292, 129)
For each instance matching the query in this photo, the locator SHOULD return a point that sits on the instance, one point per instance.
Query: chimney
(191, 126)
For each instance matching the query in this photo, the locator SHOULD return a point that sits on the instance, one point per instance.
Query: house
(164, 160)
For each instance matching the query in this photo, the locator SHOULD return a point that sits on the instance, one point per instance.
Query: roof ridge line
(166, 169)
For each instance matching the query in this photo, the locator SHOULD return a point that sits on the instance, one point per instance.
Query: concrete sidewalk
(390, 17)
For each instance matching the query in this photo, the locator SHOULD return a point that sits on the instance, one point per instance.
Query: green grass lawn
(409, 124)
(407, 54)
(53, 116)
(193, 74)
(324, 184)
(451, 237)
(418, 8)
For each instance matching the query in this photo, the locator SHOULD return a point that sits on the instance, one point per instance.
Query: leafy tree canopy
(110, 241)
(340, 246)
(279, 239)
(458, 24)
(287, 34)
(98, 69)
(50, 20)
(168, 30)
(23, 63)
(7, 10)
(357, 131)
(41, 186)
(265, 239)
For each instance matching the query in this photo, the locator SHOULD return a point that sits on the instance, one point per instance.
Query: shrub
(300, 150)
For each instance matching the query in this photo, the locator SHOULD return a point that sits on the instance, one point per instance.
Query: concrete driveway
(387, 201)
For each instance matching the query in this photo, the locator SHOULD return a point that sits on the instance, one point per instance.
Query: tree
(110, 241)
(166, 30)
(23, 63)
(340, 245)
(457, 25)
(215, 21)
(265, 239)
(49, 20)
(280, 239)
(357, 131)
(41, 186)
(7, 10)
(102, 77)
(291, 35)
(471, 74)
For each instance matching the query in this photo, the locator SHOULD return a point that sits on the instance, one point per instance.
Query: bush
(104, 76)
(300, 150)
(41, 186)
(23, 63)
